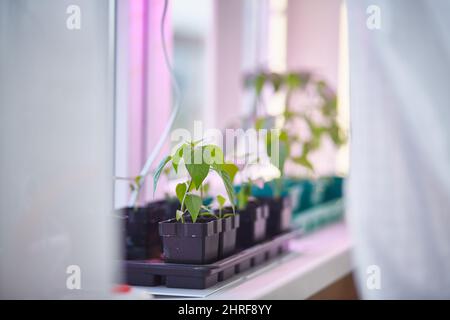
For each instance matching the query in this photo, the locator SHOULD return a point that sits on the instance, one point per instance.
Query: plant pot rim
(257, 211)
(231, 222)
(280, 199)
(174, 228)
(145, 214)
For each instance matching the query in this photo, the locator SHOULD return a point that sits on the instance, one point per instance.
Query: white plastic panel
(56, 140)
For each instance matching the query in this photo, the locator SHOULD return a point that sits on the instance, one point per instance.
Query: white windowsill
(316, 261)
(323, 257)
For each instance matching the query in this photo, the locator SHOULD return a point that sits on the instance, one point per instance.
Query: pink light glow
(135, 99)
(158, 87)
(149, 84)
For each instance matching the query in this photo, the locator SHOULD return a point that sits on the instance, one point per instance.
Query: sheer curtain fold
(399, 185)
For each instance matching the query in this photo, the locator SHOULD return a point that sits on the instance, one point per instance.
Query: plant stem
(278, 186)
(184, 196)
(176, 106)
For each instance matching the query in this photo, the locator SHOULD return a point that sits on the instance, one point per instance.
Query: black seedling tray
(189, 276)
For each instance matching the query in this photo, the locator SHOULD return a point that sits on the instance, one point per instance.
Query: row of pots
(152, 233)
(305, 193)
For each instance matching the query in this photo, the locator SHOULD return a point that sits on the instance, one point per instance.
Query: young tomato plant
(199, 161)
(244, 194)
(221, 203)
(245, 190)
(320, 118)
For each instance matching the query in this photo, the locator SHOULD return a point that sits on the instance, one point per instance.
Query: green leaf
(191, 186)
(194, 143)
(259, 123)
(316, 130)
(137, 180)
(288, 115)
(278, 139)
(227, 183)
(177, 156)
(242, 198)
(212, 154)
(293, 80)
(259, 83)
(158, 171)
(277, 187)
(284, 136)
(231, 169)
(193, 204)
(304, 77)
(205, 188)
(166, 171)
(206, 208)
(270, 135)
(336, 134)
(179, 215)
(208, 214)
(284, 150)
(316, 135)
(303, 161)
(329, 107)
(180, 190)
(277, 80)
(324, 90)
(221, 200)
(198, 171)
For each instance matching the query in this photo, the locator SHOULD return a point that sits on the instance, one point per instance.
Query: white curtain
(399, 185)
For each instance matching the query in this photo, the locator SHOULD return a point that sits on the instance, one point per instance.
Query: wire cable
(176, 106)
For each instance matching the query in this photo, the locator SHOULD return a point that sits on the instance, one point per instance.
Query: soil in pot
(227, 237)
(280, 214)
(253, 222)
(193, 243)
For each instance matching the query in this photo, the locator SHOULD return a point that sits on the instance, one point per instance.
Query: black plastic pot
(194, 276)
(121, 223)
(171, 205)
(227, 238)
(142, 239)
(253, 222)
(280, 214)
(195, 243)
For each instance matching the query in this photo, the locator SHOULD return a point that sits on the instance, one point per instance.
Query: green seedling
(290, 83)
(199, 161)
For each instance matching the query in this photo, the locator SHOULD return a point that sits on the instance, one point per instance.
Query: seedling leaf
(227, 183)
(231, 169)
(193, 204)
(177, 156)
(197, 168)
(158, 171)
(179, 215)
(221, 200)
(180, 190)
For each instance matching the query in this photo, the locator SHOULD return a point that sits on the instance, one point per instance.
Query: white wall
(313, 44)
(313, 37)
(226, 62)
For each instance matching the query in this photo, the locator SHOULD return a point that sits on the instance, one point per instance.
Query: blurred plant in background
(315, 110)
